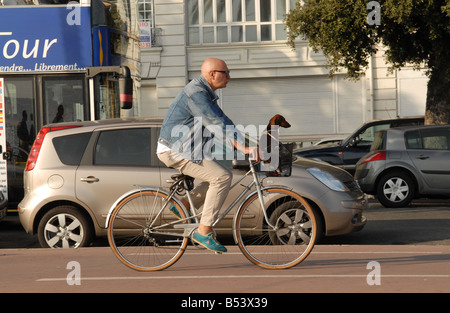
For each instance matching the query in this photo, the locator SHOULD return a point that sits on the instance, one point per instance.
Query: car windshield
(366, 136)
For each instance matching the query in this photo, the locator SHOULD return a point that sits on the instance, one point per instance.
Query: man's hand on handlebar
(253, 152)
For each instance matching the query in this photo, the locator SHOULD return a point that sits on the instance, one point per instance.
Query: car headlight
(327, 179)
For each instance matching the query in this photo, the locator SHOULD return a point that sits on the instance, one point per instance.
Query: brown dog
(284, 152)
(276, 120)
(266, 143)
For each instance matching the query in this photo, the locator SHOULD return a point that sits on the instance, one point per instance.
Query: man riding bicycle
(194, 109)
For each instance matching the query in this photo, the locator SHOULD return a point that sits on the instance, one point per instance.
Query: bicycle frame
(192, 226)
(145, 223)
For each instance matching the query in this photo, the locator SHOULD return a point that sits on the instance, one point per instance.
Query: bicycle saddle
(189, 181)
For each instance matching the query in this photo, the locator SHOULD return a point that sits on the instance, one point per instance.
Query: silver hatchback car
(405, 163)
(76, 171)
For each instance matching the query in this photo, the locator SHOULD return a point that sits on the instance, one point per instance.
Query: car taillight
(376, 156)
(34, 153)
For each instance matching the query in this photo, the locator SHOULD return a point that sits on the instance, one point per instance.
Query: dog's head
(279, 120)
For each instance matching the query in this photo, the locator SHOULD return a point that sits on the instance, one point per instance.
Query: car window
(431, 139)
(70, 148)
(126, 147)
(368, 136)
(413, 140)
(435, 138)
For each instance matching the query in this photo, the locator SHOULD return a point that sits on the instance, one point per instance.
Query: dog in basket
(269, 140)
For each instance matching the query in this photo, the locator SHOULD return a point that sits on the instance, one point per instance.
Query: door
(28, 103)
(65, 99)
(116, 160)
(19, 131)
(430, 155)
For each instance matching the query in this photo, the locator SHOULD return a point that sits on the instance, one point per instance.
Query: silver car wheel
(396, 189)
(63, 231)
(65, 226)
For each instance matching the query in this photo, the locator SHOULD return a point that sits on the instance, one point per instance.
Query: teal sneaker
(209, 242)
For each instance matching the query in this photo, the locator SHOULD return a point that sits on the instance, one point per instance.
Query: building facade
(267, 76)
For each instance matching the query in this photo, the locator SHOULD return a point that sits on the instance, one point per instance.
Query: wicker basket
(284, 168)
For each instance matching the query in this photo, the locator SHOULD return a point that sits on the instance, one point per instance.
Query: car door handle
(89, 179)
(422, 157)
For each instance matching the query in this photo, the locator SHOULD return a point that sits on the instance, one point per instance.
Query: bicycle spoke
(293, 237)
(142, 233)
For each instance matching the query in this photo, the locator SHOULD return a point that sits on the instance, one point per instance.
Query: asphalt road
(400, 250)
(329, 268)
(424, 222)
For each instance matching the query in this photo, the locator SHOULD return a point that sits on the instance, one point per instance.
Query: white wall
(167, 68)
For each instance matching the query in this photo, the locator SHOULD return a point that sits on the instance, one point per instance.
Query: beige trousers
(216, 182)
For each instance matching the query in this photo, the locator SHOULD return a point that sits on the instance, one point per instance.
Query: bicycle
(146, 236)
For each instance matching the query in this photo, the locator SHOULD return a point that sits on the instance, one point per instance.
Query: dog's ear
(281, 121)
(273, 120)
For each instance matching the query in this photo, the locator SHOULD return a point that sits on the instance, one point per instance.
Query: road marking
(377, 252)
(240, 276)
(329, 252)
(201, 252)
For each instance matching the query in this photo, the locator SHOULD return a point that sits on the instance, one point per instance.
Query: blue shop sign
(45, 39)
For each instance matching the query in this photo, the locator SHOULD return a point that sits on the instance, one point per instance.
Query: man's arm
(252, 151)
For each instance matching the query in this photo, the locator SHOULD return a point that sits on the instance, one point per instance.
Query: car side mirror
(351, 143)
(123, 74)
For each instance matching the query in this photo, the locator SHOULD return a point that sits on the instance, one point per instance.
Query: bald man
(194, 109)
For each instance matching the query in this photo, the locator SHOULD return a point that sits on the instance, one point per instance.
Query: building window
(145, 11)
(237, 21)
(146, 23)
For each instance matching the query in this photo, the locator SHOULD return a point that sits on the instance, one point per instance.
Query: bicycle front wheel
(142, 232)
(289, 242)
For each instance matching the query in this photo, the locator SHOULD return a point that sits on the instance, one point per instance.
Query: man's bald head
(216, 73)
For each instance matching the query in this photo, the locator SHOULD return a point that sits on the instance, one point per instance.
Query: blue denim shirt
(193, 119)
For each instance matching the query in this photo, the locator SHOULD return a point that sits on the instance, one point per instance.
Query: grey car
(405, 163)
(77, 170)
(346, 153)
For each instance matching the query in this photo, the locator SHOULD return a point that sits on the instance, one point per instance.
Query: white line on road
(332, 252)
(240, 276)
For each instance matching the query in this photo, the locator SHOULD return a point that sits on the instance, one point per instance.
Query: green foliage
(414, 31)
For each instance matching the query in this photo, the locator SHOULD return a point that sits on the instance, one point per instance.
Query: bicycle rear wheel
(141, 231)
(293, 237)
